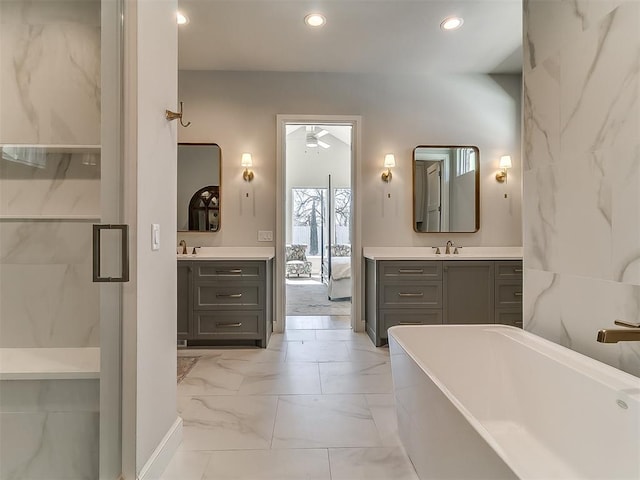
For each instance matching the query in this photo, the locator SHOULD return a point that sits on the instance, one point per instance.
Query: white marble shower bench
(49, 363)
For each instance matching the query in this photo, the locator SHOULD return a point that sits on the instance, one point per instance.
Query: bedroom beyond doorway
(318, 226)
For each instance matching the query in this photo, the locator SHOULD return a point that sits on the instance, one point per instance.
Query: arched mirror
(199, 173)
(446, 189)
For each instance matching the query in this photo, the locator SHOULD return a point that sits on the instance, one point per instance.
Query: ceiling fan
(313, 136)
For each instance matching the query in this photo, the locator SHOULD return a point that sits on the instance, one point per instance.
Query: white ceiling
(361, 36)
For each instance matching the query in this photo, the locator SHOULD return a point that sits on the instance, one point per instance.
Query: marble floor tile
(211, 376)
(228, 422)
(371, 464)
(300, 335)
(255, 354)
(317, 352)
(335, 335)
(317, 421)
(186, 465)
(356, 377)
(303, 323)
(361, 352)
(280, 379)
(336, 322)
(383, 410)
(308, 464)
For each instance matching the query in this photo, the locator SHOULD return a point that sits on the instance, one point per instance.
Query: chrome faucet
(183, 244)
(447, 249)
(629, 334)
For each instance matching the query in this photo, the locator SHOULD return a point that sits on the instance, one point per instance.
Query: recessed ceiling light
(315, 20)
(451, 23)
(181, 18)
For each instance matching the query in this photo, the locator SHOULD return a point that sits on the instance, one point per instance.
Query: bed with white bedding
(339, 275)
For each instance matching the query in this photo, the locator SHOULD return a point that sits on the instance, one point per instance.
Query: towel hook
(173, 115)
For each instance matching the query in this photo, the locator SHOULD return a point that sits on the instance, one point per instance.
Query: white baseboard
(162, 455)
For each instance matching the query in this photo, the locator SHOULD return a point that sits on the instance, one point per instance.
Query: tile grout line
(275, 418)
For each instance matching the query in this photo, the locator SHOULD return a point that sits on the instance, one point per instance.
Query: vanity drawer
(423, 294)
(216, 324)
(508, 294)
(217, 270)
(508, 270)
(509, 316)
(243, 295)
(408, 317)
(391, 271)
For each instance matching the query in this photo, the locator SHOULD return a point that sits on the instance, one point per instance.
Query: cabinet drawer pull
(407, 270)
(410, 323)
(236, 325)
(230, 295)
(517, 294)
(517, 270)
(421, 294)
(222, 272)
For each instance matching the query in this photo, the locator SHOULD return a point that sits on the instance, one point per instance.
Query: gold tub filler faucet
(615, 335)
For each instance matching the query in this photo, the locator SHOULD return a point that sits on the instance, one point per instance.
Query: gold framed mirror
(446, 189)
(199, 195)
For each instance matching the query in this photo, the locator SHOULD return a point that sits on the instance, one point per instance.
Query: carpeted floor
(309, 297)
(185, 364)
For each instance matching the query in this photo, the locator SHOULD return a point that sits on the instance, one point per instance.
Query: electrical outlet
(265, 236)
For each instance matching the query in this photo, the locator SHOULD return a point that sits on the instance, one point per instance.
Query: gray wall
(582, 174)
(238, 111)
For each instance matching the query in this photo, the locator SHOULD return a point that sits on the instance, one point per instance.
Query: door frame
(355, 121)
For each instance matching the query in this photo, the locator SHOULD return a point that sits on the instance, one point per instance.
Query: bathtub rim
(628, 385)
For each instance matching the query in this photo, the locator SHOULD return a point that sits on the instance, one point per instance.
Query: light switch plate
(265, 236)
(155, 236)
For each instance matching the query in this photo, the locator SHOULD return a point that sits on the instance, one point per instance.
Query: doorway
(318, 226)
(317, 283)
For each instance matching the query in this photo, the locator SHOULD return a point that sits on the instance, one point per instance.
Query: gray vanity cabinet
(508, 293)
(429, 292)
(401, 293)
(229, 301)
(468, 292)
(185, 271)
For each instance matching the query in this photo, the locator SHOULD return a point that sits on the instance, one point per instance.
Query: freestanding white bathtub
(492, 401)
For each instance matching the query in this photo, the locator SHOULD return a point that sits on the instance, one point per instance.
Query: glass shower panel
(60, 173)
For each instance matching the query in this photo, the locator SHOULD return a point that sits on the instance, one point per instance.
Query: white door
(434, 197)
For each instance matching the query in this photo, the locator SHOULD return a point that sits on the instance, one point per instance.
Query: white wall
(237, 110)
(150, 297)
(582, 174)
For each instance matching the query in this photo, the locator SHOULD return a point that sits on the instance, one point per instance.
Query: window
(465, 161)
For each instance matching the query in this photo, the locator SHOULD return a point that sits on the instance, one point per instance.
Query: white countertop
(229, 253)
(49, 363)
(428, 253)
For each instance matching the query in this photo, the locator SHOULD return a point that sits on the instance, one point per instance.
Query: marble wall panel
(49, 445)
(50, 395)
(48, 306)
(541, 143)
(63, 187)
(45, 242)
(50, 68)
(582, 208)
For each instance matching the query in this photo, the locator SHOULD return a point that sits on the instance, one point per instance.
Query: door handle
(230, 295)
(406, 270)
(228, 272)
(235, 325)
(517, 294)
(421, 294)
(97, 252)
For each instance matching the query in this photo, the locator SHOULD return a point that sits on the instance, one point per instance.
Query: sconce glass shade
(505, 161)
(389, 160)
(246, 160)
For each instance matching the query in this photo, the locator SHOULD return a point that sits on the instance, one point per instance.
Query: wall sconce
(389, 161)
(246, 163)
(505, 162)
